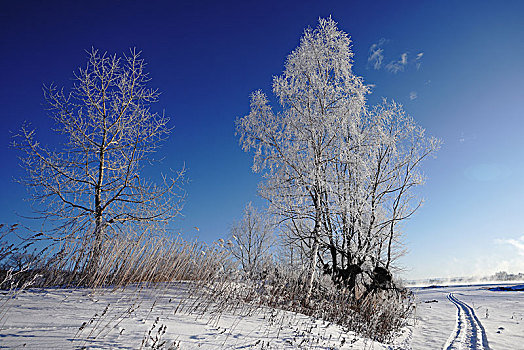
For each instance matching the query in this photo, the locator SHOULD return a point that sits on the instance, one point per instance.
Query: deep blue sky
(467, 88)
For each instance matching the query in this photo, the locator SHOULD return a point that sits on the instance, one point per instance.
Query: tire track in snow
(469, 332)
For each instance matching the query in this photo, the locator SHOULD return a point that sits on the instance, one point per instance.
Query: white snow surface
(67, 318)
(455, 317)
(468, 317)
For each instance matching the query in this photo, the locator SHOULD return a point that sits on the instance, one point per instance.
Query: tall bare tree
(92, 187)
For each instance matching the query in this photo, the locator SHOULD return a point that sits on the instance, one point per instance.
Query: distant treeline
(504, 276)
(499, 276)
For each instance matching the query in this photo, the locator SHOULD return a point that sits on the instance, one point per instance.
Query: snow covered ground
(65, 318)
(462, 317)
(469, 317)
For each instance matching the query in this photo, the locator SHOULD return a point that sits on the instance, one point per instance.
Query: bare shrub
(251, 240)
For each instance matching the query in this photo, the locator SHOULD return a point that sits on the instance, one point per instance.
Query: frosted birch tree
(338, 173)
(318, 94)
(91, 188)
(373, 193)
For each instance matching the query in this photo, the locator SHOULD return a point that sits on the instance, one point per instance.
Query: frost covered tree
(372, 194)
(318, 94)
(338, 173)
(91, 188)
(252, 238)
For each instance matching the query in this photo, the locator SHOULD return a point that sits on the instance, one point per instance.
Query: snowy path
(445, 315)
(469, 332)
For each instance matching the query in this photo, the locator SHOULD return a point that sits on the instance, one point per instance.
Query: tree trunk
(390, 242)
(312, 267)
(333, 252)
(98, 234)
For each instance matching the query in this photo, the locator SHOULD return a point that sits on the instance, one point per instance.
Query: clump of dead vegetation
(379, 314)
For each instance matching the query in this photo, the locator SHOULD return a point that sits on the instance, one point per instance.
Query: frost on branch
(338, 173)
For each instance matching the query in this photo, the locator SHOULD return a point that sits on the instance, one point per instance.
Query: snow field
(463, 317)
(442, 324)
(167, 319)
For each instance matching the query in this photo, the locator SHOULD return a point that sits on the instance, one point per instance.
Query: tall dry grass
(213, 284)
(126, 259)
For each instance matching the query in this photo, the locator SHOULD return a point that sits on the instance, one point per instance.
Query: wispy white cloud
(404, 58)
(376, 57)
(398, 66)
(376, 54)
(516, 243)
(413, 95)
(418, 60)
